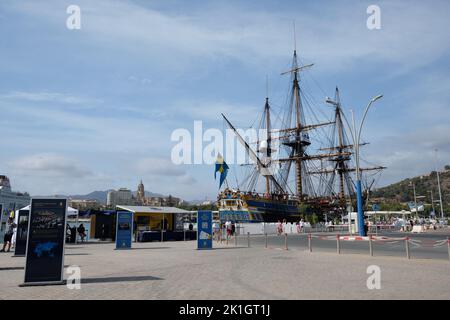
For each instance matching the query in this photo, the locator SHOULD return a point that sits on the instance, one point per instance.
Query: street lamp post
(356, 142)
(439, 186)
(356, 136)
(432, 202)
(415, 198)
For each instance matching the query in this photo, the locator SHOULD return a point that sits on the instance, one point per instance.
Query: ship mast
(269, 151)
(298, 142)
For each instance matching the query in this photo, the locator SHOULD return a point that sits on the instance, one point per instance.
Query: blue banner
(204, 230)
(124, 229)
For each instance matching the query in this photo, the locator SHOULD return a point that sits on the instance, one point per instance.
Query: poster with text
(124, 229)
(204, 230)
(46, 238)
(21, 233)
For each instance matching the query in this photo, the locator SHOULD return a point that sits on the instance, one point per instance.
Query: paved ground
(177, 271)
(421, 247)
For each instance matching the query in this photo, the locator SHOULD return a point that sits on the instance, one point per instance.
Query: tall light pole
(439, 185)
(432, 201)
(412, 184)
(356, 135)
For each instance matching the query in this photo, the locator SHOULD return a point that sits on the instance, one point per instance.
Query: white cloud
(159, 167)
(336, 38)
(54, 97)
(49, 165)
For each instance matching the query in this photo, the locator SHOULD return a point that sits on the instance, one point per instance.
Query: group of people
(229, 228)
(71, 233)
(231, 194)
(281, 226)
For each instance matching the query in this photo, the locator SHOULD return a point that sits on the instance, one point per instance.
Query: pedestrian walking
(279, 228)
(10, 226)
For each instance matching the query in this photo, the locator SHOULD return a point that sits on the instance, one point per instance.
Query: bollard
(407, 248)
(227, 238)
(285, 241)
(248, 239)
(448, 248)
(309, 242)
(162, 235)
(266, 240)
(370, 246)
(184, 234)
(235, 239)
(338, 245)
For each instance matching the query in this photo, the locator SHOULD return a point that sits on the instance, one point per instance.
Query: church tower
(141, 193)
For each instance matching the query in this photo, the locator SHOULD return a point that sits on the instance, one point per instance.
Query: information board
(21, 233)
(46, 238)
(124, 229)
(204, 230)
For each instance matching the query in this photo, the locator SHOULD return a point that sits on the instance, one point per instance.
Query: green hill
(402, 192)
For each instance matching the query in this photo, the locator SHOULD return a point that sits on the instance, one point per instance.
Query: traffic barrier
(407, 248)
(310, 245)
(370, 246)
(266, 240)
(285, 241)
(338, 244)
(248, 239)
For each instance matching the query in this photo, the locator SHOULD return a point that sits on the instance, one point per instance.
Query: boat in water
(299, 166)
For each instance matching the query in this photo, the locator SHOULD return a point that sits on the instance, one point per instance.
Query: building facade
(10, 200)
(122, 196)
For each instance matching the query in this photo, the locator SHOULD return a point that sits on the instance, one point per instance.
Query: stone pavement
(176, 270)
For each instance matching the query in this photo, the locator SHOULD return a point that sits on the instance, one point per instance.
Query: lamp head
(377, 98)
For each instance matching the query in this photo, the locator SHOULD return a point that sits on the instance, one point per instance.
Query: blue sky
(93, 109)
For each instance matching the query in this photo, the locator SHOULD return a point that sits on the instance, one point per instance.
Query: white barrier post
(309, 242)
(285, 241)
(407, 248)
(184, 234)
(448, 248)
(235, 239)
(338, 245)
(370, 246)
(266, 239)
(248, 239)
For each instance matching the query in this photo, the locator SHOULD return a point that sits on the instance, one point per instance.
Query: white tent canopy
(70, 211)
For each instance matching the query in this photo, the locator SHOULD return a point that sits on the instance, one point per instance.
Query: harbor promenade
(176, 270)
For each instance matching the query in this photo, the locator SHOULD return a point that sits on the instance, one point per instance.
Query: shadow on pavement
(149, 248)
(11, 268)
(118, 279)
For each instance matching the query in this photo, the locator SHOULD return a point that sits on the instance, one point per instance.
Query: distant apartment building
(122, 196)
(10, 200)
(84, 204)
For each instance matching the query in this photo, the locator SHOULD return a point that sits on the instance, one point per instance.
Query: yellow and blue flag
(221, 167)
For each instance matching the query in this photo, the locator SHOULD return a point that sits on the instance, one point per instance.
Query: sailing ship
(303, 179)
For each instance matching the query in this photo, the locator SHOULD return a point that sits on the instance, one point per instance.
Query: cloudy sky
(94, 109)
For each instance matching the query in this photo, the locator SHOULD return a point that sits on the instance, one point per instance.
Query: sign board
(22, 233)
(124, 230)
(204, 230)
(45, 244)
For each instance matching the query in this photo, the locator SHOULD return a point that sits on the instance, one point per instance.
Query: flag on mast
(221, 167)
